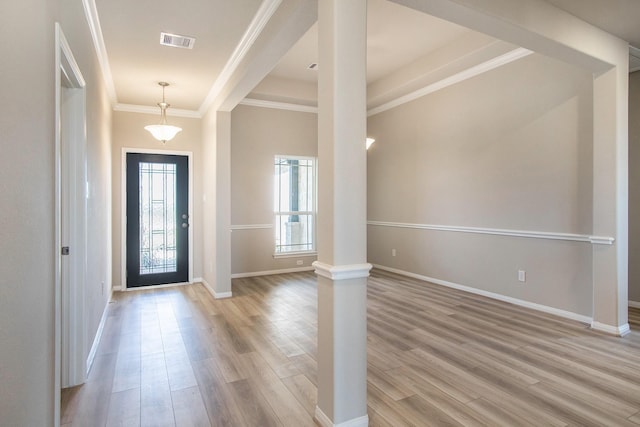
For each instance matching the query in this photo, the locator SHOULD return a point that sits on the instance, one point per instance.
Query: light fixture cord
(163, 108)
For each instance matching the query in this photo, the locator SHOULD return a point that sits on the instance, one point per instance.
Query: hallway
(436, 356)
(172, 356)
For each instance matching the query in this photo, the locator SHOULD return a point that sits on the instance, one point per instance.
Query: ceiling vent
(175, 40)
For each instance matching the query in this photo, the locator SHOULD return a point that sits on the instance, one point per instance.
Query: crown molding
(260, 20)
(91, 13)
(451, 80)
(279, 105)
(145, 109)
(440, 84)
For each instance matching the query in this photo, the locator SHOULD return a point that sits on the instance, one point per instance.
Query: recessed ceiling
(618, 17)
(397, 36)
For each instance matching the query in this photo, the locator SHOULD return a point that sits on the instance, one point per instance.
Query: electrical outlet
(299, 262)
(522, 276)
(393, 252)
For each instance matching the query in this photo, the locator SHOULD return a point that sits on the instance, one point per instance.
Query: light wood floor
(634, 317)
(436, 356)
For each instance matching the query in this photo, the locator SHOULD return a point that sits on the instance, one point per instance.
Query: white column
(610, 198)
(223, 205)
(341, 267)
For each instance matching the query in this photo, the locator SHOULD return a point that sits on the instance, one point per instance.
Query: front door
(157, 219)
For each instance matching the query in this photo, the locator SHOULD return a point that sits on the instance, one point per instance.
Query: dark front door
(157, 219)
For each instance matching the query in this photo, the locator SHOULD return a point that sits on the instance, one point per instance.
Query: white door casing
(70, 220)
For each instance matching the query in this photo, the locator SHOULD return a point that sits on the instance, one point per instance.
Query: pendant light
(163, 132)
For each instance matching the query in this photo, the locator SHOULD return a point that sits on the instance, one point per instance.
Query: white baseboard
(271, 272)
(197, 280)
(324, 421)
(539, 307)
(613, 330)
(216, 295)
(634, 304)
(96, 340)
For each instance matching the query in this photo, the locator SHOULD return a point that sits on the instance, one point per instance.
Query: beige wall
(128, 132)
(27, 185)
(634, 187)
(509, 149)
(257, 135)
(27, 258)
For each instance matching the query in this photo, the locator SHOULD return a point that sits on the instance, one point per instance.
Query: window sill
(295, 254)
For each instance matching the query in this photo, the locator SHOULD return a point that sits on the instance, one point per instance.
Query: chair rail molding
(548, 235)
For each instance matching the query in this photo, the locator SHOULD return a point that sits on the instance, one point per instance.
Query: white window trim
(298, 254)
(312, 252)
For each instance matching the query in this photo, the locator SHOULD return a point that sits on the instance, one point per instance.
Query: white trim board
(98, 337)
(271, 272)
(252, 227)
(612, 330)
(522, 303)
(146, 109)
(548, 235)
(342, 272)
(91, 13)
(476, 70)
(433, 87)
(70, 213)
(279, 105)
(216, 295)
(259, 21)
(321, 418)
(308, 254)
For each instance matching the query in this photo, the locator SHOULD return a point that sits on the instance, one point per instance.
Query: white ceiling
(131, 32)
(397, 37)
(618, 17)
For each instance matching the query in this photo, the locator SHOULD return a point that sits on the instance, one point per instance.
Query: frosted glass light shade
(370, 141)
(163, 132)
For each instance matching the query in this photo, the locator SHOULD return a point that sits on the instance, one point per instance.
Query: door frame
(123, 213)
(70, 356)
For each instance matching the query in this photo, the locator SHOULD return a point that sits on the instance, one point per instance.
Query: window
(295, 204)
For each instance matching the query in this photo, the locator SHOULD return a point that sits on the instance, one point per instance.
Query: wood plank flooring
(634, 317)
(436, 357)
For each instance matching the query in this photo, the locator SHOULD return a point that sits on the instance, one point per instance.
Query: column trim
(342, 272)
(325, 421)
(619, 331)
